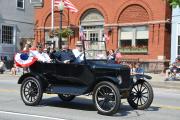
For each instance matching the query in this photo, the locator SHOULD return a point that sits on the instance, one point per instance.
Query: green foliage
(174, 3)
(66, 32)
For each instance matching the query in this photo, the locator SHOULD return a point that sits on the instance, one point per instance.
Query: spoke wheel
(66, 97)
(141, 95)
(106, 97)
(31, 91)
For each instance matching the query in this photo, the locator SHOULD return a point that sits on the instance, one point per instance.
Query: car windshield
(95, 49)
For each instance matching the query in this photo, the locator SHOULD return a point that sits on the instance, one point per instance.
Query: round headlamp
(134, 79)
(120, 79)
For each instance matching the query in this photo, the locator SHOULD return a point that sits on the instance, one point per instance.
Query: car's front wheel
(106, 98)
(141, 95)
(66, 97)
(31, 91)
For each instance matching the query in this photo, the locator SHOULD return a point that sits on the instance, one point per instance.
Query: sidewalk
(158, 81)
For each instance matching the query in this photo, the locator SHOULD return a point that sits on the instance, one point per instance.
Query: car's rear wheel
(66, 97)
(31, 91)
(141, 95)
(106, 98)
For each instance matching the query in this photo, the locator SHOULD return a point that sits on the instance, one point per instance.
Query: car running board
(66, 90)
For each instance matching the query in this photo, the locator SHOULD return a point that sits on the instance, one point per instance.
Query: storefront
(139, 29)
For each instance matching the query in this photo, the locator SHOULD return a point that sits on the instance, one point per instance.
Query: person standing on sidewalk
(138, 69)
(2, 66)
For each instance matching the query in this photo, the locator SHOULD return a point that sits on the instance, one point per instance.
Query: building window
(134, 39)
(7, 34)
(20, 4)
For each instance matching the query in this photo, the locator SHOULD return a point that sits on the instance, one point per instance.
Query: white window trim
(134, 32)
(20, 7)
(34, 2)
(14, 34)
(177, 35)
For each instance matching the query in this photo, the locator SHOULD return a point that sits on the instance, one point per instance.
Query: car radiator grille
(125, 74)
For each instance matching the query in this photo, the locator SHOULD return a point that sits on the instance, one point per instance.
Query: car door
(81, 74)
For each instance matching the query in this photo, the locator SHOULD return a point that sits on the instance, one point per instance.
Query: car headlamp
(134, 79)
(120, 79)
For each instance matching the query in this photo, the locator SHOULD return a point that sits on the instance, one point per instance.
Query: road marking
(8, 90)
(30, 115)
(167, 107)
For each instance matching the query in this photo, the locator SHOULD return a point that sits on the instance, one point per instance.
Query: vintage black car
(107, 83)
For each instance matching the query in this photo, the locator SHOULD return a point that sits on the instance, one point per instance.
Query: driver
(65, 55)
(78, 52)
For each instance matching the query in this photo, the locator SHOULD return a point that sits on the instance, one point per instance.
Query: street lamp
(61, 8)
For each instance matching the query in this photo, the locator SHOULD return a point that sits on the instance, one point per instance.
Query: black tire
(66, 97)
(110, 96)
(141, 95)
(31, 91)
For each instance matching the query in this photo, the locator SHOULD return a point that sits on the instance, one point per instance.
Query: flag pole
(52, 15)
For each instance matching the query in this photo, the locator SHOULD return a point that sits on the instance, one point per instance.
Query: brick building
(139, 28)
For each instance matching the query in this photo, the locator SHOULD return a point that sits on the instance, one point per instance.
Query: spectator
(26, 47)
(13, 70)
(132, 68)
(2, 66)
(174, 65)
(138, 69)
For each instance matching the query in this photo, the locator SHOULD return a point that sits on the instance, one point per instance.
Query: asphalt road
(166, 106)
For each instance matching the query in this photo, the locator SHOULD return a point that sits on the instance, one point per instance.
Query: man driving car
(65, 55)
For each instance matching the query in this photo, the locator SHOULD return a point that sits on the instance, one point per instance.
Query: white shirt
(79, 55)
(2, 65)
(44, 57)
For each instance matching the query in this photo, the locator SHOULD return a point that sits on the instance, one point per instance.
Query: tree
(174, 3)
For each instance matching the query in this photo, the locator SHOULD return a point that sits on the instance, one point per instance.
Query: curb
(166, 84)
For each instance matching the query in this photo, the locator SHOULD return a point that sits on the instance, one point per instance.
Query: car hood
(106, 68)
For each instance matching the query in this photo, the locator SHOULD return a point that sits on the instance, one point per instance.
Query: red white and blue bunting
(24, 59)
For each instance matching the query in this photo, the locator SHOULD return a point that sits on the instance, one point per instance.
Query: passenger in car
(65, 55)
(118, 57)
(78, 52)
(111, 56)
(40, 54)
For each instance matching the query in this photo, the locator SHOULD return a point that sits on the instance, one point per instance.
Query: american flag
(81, 33)
(67, 4)
(106, 36)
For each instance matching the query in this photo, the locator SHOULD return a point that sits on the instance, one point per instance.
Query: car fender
(107, 78)
(37, 76)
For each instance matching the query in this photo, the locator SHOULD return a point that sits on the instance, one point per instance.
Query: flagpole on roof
(52, 14)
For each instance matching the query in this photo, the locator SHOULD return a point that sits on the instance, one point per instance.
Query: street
(165, 106)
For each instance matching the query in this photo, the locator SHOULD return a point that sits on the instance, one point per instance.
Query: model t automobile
(107, 83)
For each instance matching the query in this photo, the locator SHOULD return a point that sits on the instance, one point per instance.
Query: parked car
(107, 83)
